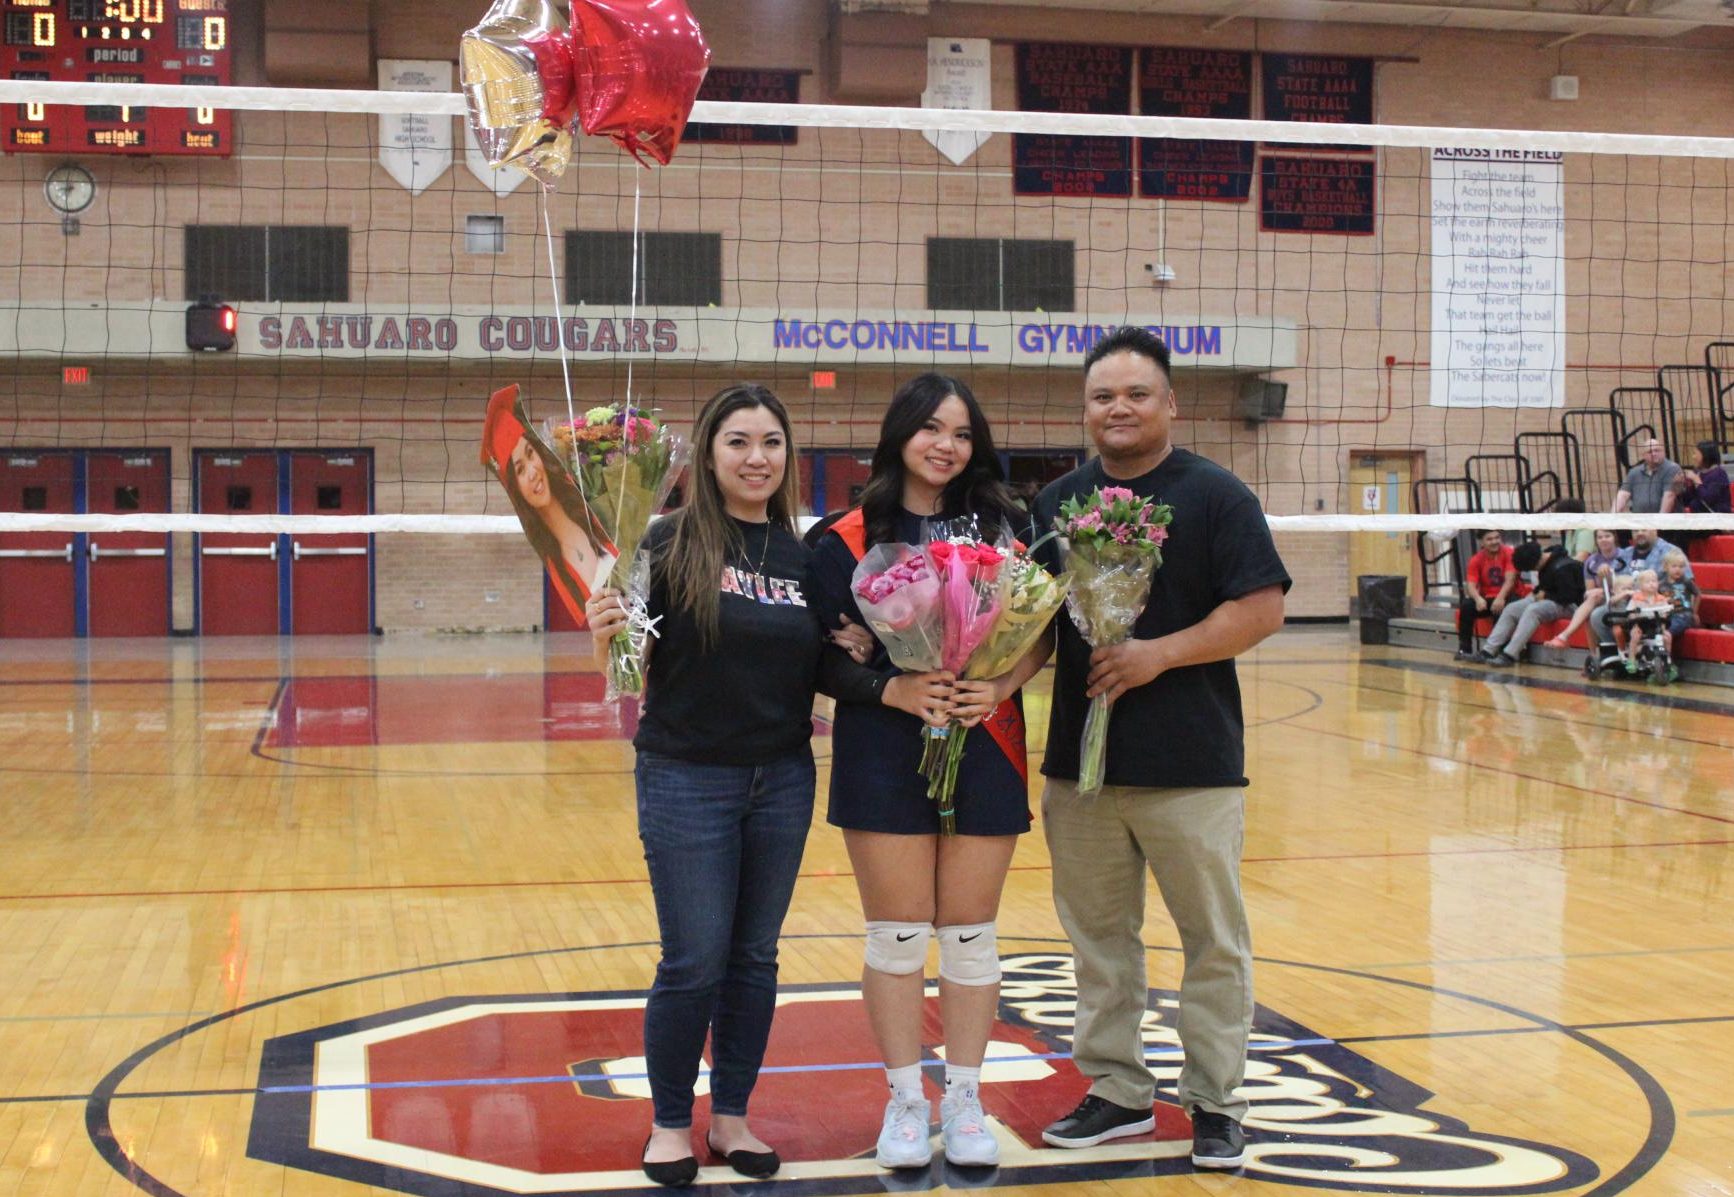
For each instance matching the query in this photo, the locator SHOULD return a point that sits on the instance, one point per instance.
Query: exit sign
(75, 376)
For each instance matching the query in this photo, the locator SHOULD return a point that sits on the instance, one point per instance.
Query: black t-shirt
(1185, 728)
(748, 698)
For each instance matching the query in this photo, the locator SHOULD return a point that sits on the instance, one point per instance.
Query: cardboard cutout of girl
(558, 523)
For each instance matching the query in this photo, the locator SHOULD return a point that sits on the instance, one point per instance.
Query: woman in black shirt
(725, 767)
(935, 460)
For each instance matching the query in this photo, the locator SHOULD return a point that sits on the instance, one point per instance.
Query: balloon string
(632, 300)
(560, 335)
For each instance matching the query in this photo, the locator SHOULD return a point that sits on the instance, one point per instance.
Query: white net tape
(846, 116)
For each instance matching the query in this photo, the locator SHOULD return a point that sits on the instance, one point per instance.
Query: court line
(820, 875)
(1709, 1113)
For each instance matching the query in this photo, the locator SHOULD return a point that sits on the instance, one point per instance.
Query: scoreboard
(116, 41)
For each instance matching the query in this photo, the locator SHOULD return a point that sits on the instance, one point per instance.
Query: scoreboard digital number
(116, 41)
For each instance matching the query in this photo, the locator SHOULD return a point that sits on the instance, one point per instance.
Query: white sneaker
(967, 1139)
(903, 1141)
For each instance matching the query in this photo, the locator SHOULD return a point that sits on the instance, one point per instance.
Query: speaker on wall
(1261, 399)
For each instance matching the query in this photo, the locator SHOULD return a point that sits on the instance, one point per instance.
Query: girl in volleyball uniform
(935, 460)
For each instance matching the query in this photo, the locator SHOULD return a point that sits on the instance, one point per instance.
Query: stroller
(1645, 653)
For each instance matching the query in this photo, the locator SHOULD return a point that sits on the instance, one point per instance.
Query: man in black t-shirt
(1175, 767)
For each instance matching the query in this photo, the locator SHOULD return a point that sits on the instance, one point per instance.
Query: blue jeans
(724, 846)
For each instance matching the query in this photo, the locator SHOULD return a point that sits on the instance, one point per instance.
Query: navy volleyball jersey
(876, 749)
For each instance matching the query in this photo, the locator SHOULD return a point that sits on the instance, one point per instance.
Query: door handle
(65, 554)
(243, 551)
(345, 551)
(96, 556)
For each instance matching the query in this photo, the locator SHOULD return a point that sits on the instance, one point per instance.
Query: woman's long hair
(980, 490)
(691, 566)
(563, 492)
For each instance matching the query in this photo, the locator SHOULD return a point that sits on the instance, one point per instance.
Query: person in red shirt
(1491, 580)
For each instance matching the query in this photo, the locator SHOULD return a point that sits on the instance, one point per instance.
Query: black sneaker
(1097, 1120)
(1500, 661)
(1464, 654)
(1217, 1140)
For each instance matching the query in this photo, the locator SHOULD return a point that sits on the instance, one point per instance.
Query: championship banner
(959, 76)
(1203, 83)
(1318, 89)
(1499, 315)
(1060, 77)
(415, 149)
(1317, 195)
(746, 85)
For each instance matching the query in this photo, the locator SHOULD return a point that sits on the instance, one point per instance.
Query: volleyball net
(1422, 329)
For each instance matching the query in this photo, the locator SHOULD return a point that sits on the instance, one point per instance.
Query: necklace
(764, 551)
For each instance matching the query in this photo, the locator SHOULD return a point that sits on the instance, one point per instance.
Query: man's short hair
(1129, 338)
(1527, 555)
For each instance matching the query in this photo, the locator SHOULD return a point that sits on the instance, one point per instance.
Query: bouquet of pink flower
(898, 592)
(971, 600)
(1114, 547)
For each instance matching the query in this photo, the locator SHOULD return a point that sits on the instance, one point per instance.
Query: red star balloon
(639, 65)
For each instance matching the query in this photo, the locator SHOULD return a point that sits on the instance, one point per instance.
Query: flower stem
(1094, 750)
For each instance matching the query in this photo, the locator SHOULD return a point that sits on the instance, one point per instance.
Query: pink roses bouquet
(1114, 547)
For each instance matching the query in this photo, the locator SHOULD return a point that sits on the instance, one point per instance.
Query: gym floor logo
(547, 1094)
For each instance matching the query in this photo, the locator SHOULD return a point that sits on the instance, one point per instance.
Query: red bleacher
(1713, 566)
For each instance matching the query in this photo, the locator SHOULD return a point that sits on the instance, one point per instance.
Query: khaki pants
(1191, 841)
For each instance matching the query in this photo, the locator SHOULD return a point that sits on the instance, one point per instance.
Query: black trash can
(1383, 597)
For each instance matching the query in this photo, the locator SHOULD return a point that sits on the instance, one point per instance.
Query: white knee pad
(898, 948)
(969, 955)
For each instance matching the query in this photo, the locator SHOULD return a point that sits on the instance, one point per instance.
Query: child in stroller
(1640, 630)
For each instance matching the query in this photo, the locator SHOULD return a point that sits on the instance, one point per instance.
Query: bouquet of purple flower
(1113, 549)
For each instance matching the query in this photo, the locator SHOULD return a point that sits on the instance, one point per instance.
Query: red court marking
(464, 708)
(345, 712)
(811, 1112)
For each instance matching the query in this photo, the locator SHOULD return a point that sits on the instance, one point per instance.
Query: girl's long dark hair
(704, 535)
(980, 490)
(565, 493)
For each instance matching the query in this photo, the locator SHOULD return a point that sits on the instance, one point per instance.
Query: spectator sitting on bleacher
(1704, 490)
(1649, 485)
(1649, 550)
(1559, 588)
(1682, 591)
(1490, 582)
(1599, 569)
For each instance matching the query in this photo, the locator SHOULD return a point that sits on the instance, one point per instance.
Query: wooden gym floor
(369, 916)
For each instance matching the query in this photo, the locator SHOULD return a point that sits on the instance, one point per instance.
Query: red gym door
(237, 578)
(129, 571)
(331, 574)
(38, 589)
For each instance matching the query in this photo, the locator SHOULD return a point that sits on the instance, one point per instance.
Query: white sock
(958, 1078)
(905, 1082)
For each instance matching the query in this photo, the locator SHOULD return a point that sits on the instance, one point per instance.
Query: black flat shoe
(676, 1174)
(757, 1164)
